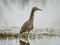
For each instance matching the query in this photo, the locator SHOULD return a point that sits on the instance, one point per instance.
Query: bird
(28, 25)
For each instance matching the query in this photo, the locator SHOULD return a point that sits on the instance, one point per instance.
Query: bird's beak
(40, 9)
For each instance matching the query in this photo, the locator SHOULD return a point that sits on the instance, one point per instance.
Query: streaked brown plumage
(28, 25)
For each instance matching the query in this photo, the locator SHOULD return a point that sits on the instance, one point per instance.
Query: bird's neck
(32, 15)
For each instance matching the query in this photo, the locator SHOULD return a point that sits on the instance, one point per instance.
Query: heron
(28, 25)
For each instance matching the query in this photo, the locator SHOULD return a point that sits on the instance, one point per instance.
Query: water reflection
(35, 38)
(24, 43)
(24, 39)
(13, 41)
(31, 41)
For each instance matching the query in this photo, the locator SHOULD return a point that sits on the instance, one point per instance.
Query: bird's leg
(27, 35)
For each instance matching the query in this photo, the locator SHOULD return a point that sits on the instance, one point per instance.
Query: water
(9, 41)
(17, 41)
(44, 37)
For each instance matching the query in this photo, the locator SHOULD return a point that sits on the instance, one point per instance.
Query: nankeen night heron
(28, 25)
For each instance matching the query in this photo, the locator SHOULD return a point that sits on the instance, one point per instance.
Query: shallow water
(36, 37)
(31, 41)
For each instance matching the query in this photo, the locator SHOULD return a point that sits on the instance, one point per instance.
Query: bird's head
(35, 8)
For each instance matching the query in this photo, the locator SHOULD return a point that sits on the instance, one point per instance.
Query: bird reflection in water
(24, 43)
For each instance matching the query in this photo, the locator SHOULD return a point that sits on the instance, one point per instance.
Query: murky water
(17, 41)
(36, 37)
(38, 40)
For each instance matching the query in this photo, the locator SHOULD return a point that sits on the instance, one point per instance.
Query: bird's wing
(28, 25)
(24, 26)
